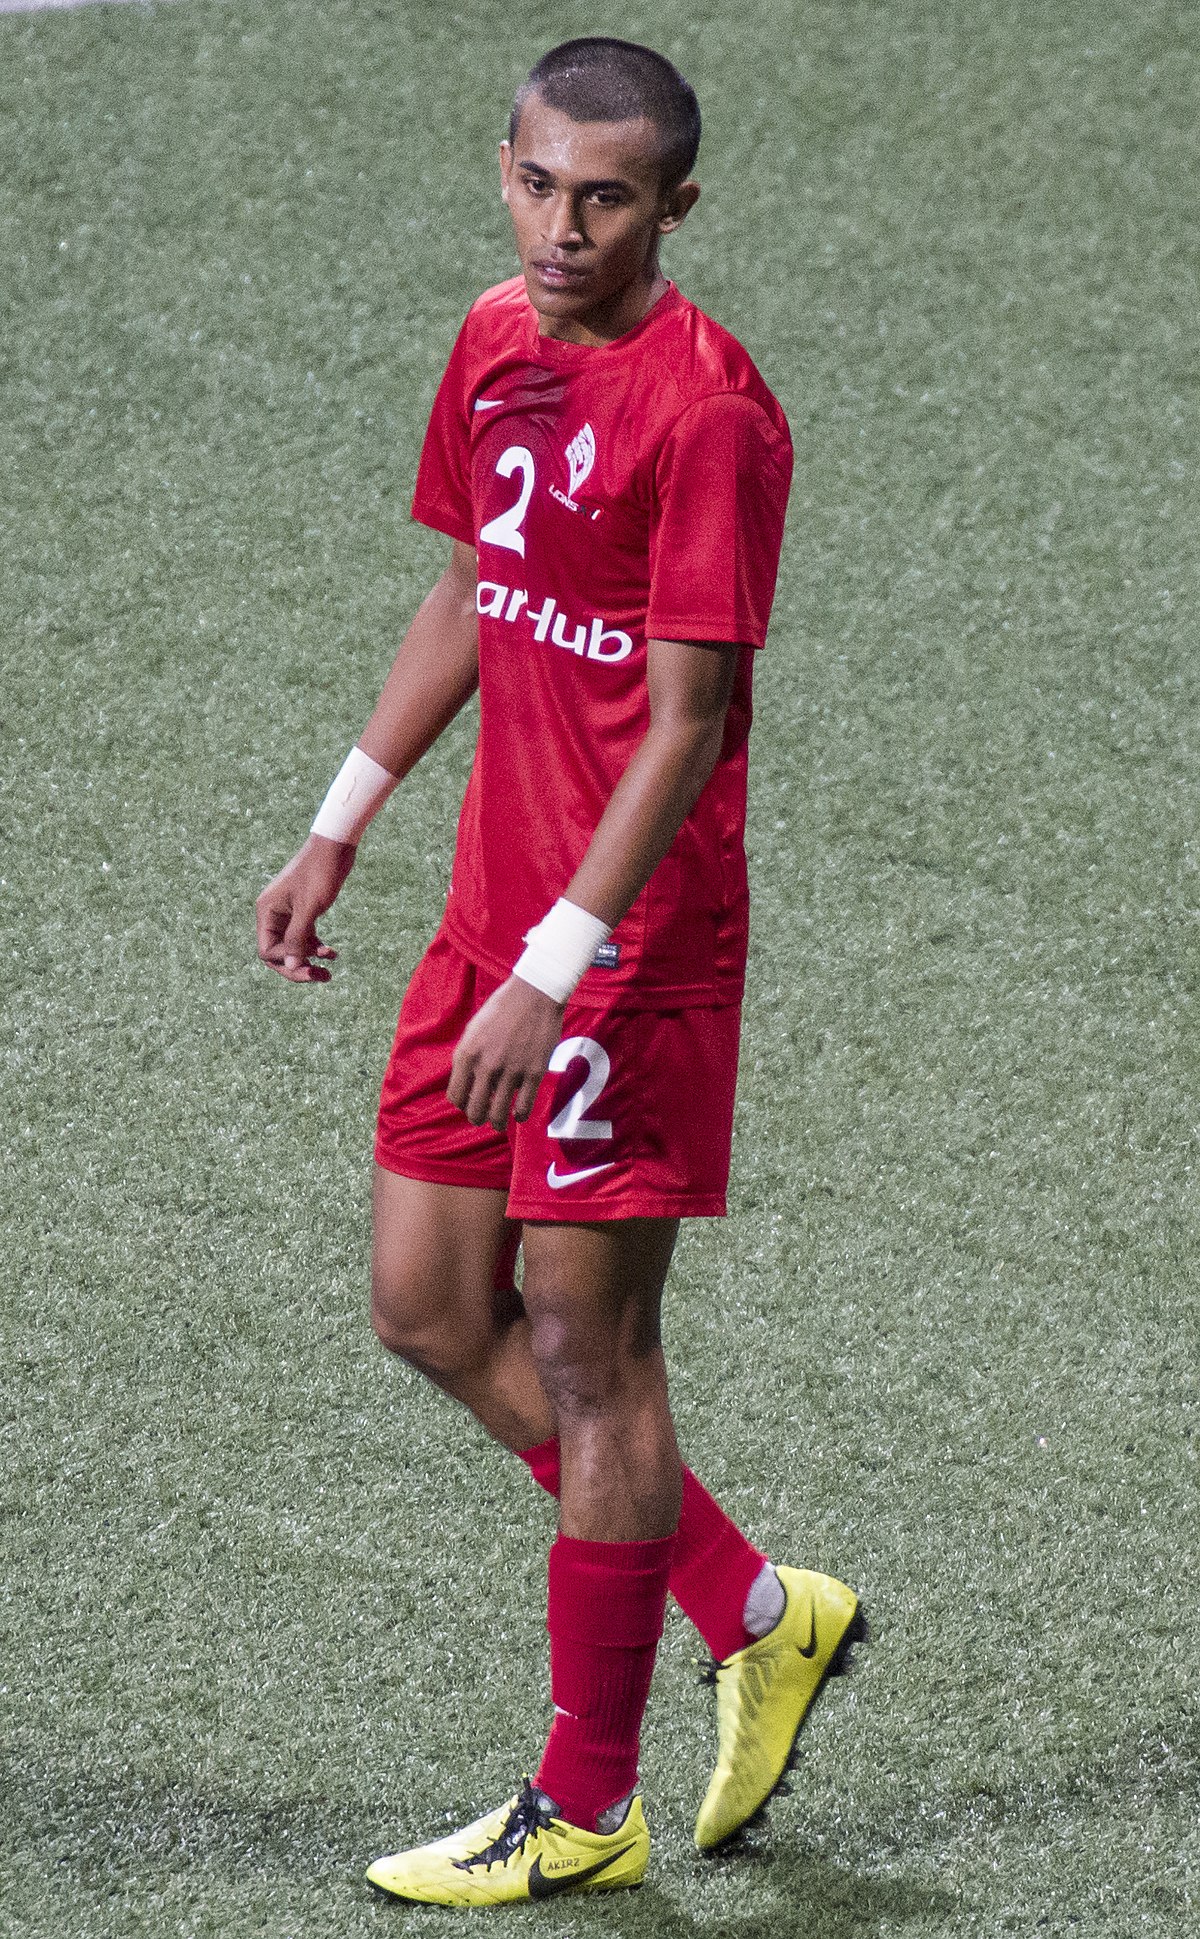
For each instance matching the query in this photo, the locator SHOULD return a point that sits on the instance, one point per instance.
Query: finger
(484, 1096)
(501, 1101)
(298, 972)
(471, 1084)
(295, 970)
(300, 941)
(458, 1090)
(526, 1098)
(270, 923)
(481, 1102)
(274, 956)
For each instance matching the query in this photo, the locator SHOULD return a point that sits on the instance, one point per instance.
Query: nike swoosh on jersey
(488, 403)
(556, 1179)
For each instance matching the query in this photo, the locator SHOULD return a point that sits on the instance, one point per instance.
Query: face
(588, 210)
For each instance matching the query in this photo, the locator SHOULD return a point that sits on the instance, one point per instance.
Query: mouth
(558, 276)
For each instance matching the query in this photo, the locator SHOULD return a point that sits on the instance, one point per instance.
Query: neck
(612, 319)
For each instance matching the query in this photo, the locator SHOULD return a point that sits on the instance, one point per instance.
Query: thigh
(443, 1258)
(634, 1121)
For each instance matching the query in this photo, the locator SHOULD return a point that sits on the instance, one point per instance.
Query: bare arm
(503, 1054)
(434, 674)
(689, 687)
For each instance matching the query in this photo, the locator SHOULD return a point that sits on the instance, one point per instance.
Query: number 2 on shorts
(571, 1122)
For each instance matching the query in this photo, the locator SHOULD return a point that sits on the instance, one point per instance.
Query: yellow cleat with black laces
(520, 1851)
(764, 1693)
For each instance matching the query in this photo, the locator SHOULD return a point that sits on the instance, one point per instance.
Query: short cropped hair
(598, 79)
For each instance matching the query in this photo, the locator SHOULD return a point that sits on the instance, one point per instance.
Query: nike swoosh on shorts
(487, 403)
(556, 1179)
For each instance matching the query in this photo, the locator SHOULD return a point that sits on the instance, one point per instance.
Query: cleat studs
(841, 1662)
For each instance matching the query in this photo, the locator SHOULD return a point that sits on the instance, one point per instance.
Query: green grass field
(269, 1606)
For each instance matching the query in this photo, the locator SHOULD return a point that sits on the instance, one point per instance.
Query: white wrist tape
(359, 791)
(559, 948)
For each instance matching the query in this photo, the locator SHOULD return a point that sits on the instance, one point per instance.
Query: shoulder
(710, 377)
(498, 314)
(492, 328)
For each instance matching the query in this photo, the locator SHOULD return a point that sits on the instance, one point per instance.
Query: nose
(563, 226)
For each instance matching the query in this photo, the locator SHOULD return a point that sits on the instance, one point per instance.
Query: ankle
(766, 1600)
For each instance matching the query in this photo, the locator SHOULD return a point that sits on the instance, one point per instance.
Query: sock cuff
(713, 1571)
(543, 1464)
(609, 1594)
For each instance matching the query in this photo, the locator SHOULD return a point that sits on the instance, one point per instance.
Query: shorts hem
(647, 1206)
(432, 1172)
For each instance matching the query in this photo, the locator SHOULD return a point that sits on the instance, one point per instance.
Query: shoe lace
(530, 1814)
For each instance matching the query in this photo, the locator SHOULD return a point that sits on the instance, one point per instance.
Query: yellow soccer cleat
(763, 1695)
(521, 1851)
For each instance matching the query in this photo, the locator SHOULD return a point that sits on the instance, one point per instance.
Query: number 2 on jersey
(505, 529)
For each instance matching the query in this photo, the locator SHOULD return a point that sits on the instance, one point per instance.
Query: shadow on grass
(128, 1831)
(787, 1894)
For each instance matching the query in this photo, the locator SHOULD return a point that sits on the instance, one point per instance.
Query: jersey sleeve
(442, 497)
(720, 496)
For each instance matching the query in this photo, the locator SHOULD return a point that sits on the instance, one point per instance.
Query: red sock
(605, 1617)
(713, 1564)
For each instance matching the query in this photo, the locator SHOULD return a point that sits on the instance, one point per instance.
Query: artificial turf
(268, 1605)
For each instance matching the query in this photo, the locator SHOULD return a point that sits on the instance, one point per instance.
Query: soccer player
(612, 473)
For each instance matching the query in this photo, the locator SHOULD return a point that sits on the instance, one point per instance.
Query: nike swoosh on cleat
(556, 1179)
(810, 1649)
(541, 1887)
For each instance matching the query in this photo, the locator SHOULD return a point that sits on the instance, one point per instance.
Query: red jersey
(613, 494)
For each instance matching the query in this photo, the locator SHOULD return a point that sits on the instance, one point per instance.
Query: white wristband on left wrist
(560, 948)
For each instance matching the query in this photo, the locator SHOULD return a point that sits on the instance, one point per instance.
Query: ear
(506, 159)
(676, 207)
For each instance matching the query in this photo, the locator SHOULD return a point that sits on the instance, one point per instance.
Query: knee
(412, 1322)
(592, 1359)
(578, 1363)
(419, 1315)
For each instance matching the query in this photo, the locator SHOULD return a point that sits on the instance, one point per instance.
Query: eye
(536, 184)
(607, 198)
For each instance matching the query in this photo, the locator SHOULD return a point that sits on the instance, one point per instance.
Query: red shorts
(634, 1119)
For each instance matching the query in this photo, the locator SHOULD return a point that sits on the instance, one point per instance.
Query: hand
(287, 910)
(503, 1054)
